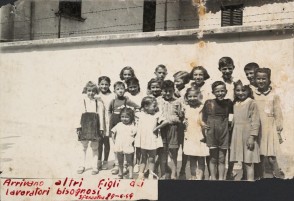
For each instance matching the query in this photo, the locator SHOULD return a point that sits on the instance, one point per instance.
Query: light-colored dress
(136, 99)
(106, 99)
(246, 123)
(125, 136)
(145, 138)
(271, 117)
(193, 133)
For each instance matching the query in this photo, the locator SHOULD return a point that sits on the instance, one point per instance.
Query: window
(149, 15)
(70, 8)
(232, 15)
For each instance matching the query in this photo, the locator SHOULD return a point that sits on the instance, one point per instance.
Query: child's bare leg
(174, 156)
(120, 158)
(162, 161)
(275, 166)
(193, 166)
(201, 167)
(249, 171)
(138, 155)
(151, 161)
(213, 162)
(129, 158)
(262, 166)
(221, 163)
(207, 159)
(94, 146)
(143, 162)
(230, 175)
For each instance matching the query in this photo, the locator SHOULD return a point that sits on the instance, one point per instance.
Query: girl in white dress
(193, 146)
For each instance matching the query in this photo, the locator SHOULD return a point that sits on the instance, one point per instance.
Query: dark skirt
(90, 127)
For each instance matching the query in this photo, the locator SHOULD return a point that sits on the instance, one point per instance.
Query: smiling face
(262, 81)
(104, 86)
(155, 89)
(127, 74)
(119, 90)
(227, 71)
(125, 118)
(168, 93)
(198, 77)
(91, 92)
(193, 98)
(179, 83)
(250, 76)
(160, 73)
(133, 89)
(241, 92)
(220, 92)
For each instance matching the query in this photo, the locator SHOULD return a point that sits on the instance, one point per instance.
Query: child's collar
(263, 92)
(243, 102)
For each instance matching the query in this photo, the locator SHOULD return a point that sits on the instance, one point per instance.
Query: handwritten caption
(78, 189)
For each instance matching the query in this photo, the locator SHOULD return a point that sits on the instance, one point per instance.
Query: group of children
(207, 121)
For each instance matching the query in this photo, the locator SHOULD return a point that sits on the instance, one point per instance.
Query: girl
(106, 96)
(91, 129)
(114, 109)
(127, 73)
(215, 116)
(146, 138)
(154, 87)
(244, 146)
(123, 137)
(133, 88)
(193, 147)
(181, 78)
(268, 104)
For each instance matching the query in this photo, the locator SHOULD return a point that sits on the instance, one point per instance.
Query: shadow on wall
(215, 6)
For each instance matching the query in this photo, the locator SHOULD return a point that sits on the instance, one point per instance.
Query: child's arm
(101, 113)
(204, 116)
(278, 113)
(254, 125)
(110, 108)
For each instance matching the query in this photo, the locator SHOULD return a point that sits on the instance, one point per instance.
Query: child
(160, 72)
(244, 146)
(215, 117)
(226, 66)
(106, 96)
(115, 106)
(171, 111)
(134, 94)
(193, 147)
(154, 87)
(249, 70)
(91, 127)
(268, 104)
(123, 137)
(146, 139)
(126, 73)
(181, 78)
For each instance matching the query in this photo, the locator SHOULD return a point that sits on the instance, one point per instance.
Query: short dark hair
(128, 111)
(264, 70)
(217, 83)
(251, 66)
(247, 87)
(147, 100)
(168, 84)
(154, 80)
(160, 66)
(107, 79)
(134, 81)
(225, 61)
(119, 83)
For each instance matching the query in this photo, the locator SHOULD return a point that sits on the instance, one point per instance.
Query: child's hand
(79, 131)
(280, 138)
(113, 139)
(102, 133)
(250, 143)
(205, 126)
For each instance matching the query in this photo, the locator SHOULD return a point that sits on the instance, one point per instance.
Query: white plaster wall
(40, 86)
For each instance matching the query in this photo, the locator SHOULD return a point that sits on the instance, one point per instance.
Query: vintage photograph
(100, 95)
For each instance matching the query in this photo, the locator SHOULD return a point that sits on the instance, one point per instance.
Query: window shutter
(232, 15)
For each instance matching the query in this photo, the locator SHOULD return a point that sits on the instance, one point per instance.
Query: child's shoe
(95, 171)
(136, 168)
(99, 165)
(81, 170)
(125, 171)
(279, 174)
(182, 175)
(104, 165)
(152, 175)
(114, 171)
(120, 176)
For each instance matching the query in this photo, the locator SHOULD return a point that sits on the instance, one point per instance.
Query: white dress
(145, 138)
(193, 133)
(136, 99)
(125, 136)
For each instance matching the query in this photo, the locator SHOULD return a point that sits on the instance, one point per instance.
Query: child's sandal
(81, 170)
(120, 176)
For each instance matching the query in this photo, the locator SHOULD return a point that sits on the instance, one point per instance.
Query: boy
(249, 70)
